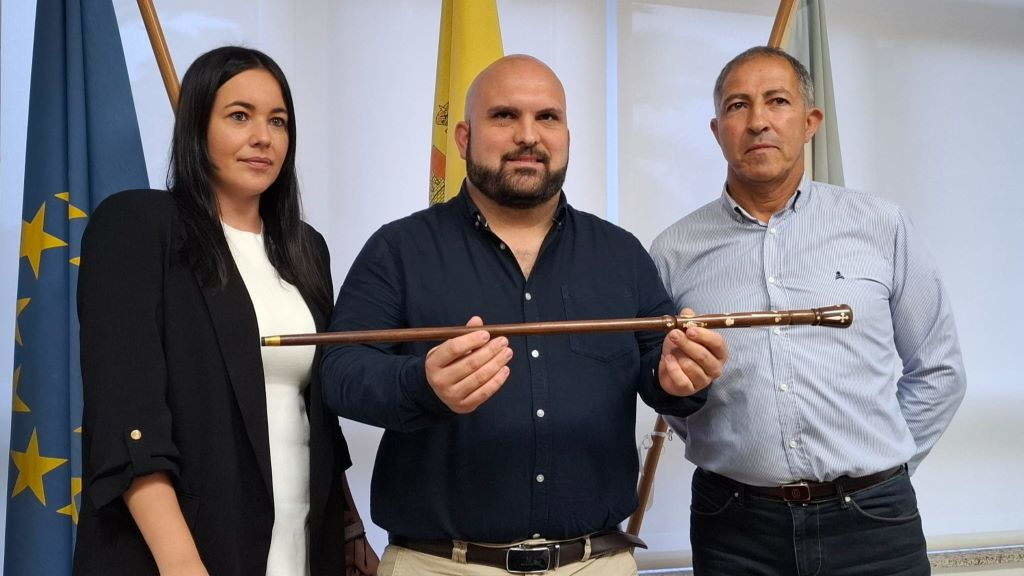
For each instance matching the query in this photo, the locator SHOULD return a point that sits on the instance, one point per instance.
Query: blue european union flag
(83, 145)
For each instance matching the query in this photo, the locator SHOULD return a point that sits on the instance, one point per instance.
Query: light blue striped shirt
(806, 402)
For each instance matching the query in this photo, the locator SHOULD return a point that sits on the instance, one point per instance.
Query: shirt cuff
(417, 390)
(664, 403)
(146, 456)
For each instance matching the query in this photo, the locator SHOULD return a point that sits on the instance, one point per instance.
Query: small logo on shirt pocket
(839, 275)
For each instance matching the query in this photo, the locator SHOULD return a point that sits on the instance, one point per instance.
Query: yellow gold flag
(470, 40)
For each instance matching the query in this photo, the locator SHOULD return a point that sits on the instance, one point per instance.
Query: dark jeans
(874, 531)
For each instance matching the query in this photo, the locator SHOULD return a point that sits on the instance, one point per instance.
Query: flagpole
(781, 22)
(647, 477)
(160, 51)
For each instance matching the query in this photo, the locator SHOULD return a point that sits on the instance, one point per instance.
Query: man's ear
(714, 129)
(462, 137)
(814, 118)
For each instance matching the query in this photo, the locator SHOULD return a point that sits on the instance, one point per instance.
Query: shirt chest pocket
(600, 304)
(866, 287)
(864, 282)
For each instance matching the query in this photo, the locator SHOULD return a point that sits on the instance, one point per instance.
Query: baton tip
(840, 316)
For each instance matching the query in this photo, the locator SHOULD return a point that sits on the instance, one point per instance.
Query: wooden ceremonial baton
(832, 316)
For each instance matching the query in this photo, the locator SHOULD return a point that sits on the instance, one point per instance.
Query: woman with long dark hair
(204, 453)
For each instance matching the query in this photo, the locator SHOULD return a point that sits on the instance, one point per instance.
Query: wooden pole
(160, 51)
(647, 477)
(781, 22)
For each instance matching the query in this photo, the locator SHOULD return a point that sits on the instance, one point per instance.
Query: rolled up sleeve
(127, 425)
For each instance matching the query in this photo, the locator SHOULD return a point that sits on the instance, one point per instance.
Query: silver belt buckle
(531, 559)
(799, 492)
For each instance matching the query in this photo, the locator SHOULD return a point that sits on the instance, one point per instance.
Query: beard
(502, 187)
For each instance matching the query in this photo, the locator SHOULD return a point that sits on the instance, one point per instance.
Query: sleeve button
(136, 434)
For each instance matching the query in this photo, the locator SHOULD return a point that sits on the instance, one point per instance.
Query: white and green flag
(807, 40)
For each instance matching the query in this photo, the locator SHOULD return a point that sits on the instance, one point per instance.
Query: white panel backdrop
(925, 92)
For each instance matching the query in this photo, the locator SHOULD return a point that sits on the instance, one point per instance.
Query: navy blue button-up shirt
(552, 452)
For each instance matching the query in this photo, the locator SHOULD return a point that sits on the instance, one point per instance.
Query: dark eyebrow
(502, 108)
(735, 95)
(777, 91)
(553, 111)
(250, 107)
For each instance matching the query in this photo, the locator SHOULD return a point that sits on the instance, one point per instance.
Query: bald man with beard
(509, 455)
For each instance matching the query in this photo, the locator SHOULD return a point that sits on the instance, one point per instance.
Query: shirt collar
(477, 218)
(796, 202)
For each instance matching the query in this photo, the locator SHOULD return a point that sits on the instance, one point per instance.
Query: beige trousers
(399, 561)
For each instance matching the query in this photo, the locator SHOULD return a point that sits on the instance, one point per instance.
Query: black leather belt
(804, 491)
(524, 558)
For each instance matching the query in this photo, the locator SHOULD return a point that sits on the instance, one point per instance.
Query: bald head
(518, 69)
(515, 138)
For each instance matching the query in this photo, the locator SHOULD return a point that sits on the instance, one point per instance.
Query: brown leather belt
(524, 558)
(804, 491)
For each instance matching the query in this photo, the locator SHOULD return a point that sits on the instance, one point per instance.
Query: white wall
(925, 101)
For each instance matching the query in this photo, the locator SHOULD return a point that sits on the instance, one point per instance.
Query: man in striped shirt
(807, 440)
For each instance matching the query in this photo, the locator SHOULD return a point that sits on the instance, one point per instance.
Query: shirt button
(540, 413)
(136, 434)
(773, 231)
(536, 536)
(777, 330)
(528, 296)
(771, 279)
(783, 387)
(792, 443)
(501, 246)
(535, 353)
(540, 478)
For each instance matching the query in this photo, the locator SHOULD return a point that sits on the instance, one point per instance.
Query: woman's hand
(360, 559)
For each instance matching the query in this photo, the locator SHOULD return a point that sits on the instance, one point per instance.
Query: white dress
(280, 309)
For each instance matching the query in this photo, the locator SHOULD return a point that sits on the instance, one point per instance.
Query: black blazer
(173, 381)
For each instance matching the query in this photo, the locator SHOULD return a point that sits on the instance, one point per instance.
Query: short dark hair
(190, 173)
(803, 76)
